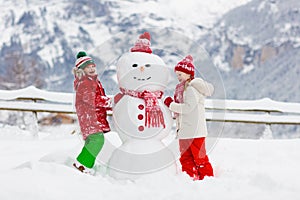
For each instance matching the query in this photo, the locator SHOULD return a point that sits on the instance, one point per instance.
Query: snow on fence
(263, 111)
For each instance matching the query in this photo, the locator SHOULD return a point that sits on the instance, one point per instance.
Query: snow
(222, 65)
(253, 118)
(265, 104)
(31, 106)
(199, 12)
(244, 169)
(32, 92)
(261, 6)
(51, 52)
(248, 68)
(273, 7)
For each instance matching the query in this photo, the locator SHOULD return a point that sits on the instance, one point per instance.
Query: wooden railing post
(267, 134)
(32, 123)
(35, 126)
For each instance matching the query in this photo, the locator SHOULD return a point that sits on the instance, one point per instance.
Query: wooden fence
(263, 111)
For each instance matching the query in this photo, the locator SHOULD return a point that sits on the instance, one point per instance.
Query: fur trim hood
(202, 86)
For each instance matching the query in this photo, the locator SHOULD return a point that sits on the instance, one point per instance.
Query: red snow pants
(193, 158)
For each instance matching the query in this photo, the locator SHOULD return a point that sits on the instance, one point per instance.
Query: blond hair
(78, 73)
(187, 83)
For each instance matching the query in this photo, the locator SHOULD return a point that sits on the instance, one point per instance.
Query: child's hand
(118, 97)
(108, 103)
(168, 101)
(104, 102)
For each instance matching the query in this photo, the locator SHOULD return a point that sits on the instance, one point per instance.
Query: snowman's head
(141, 70)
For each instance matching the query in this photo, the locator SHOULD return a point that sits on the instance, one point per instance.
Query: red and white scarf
(153, 115)
(178, 95)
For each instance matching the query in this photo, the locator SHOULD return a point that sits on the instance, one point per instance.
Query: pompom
(81, 54)
(145, 35)
(142, 44)
(188, 58)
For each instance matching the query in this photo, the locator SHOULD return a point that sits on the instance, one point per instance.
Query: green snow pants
(92, 146)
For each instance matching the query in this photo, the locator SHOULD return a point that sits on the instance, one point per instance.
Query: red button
(141, 106)
(140, 117)
(141, 128)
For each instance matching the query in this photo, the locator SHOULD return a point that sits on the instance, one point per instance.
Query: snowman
(139, 114)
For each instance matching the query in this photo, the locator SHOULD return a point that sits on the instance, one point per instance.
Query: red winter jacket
(91, 105)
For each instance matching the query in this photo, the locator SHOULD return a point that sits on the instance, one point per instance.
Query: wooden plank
(39, 107)
(261, 105)
(210, 116)
(253, 118)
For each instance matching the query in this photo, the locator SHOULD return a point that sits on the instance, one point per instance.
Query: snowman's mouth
(142, 79)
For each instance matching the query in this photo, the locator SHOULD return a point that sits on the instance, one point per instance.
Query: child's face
(90, 70)
(181, 76)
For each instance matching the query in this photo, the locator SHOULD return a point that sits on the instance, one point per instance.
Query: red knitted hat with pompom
(142, 44)
(186, 66)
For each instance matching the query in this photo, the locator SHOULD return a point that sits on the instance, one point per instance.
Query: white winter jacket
(191, 122)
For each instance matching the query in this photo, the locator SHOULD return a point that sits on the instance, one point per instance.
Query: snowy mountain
(257, 46)
(43, 37)
(253, 43)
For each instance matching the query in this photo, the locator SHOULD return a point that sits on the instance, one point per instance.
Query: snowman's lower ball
(135, 158)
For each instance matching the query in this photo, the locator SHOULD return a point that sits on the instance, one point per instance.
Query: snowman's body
(129, 119)
(142, 150)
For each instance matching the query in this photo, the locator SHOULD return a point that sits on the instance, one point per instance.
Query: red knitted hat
(186, 66)
(142, 44)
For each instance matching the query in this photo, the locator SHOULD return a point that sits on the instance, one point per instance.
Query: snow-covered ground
(244, 169)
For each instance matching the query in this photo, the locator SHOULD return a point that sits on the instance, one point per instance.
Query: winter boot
(205, 170)
(83, 169)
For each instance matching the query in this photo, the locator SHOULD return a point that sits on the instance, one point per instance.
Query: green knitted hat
(83, 60)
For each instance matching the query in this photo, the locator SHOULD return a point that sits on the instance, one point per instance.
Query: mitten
(108, 103)
(168, 101)
(118, 97)
(104, 102)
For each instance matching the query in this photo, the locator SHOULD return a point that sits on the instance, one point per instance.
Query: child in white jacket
(188, 106)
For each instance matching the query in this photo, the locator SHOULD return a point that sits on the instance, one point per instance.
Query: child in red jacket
(91, 106)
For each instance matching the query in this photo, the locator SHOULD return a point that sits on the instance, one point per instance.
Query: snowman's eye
(147, 65)
(134, 65)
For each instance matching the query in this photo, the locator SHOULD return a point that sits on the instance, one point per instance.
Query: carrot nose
(142, 68)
